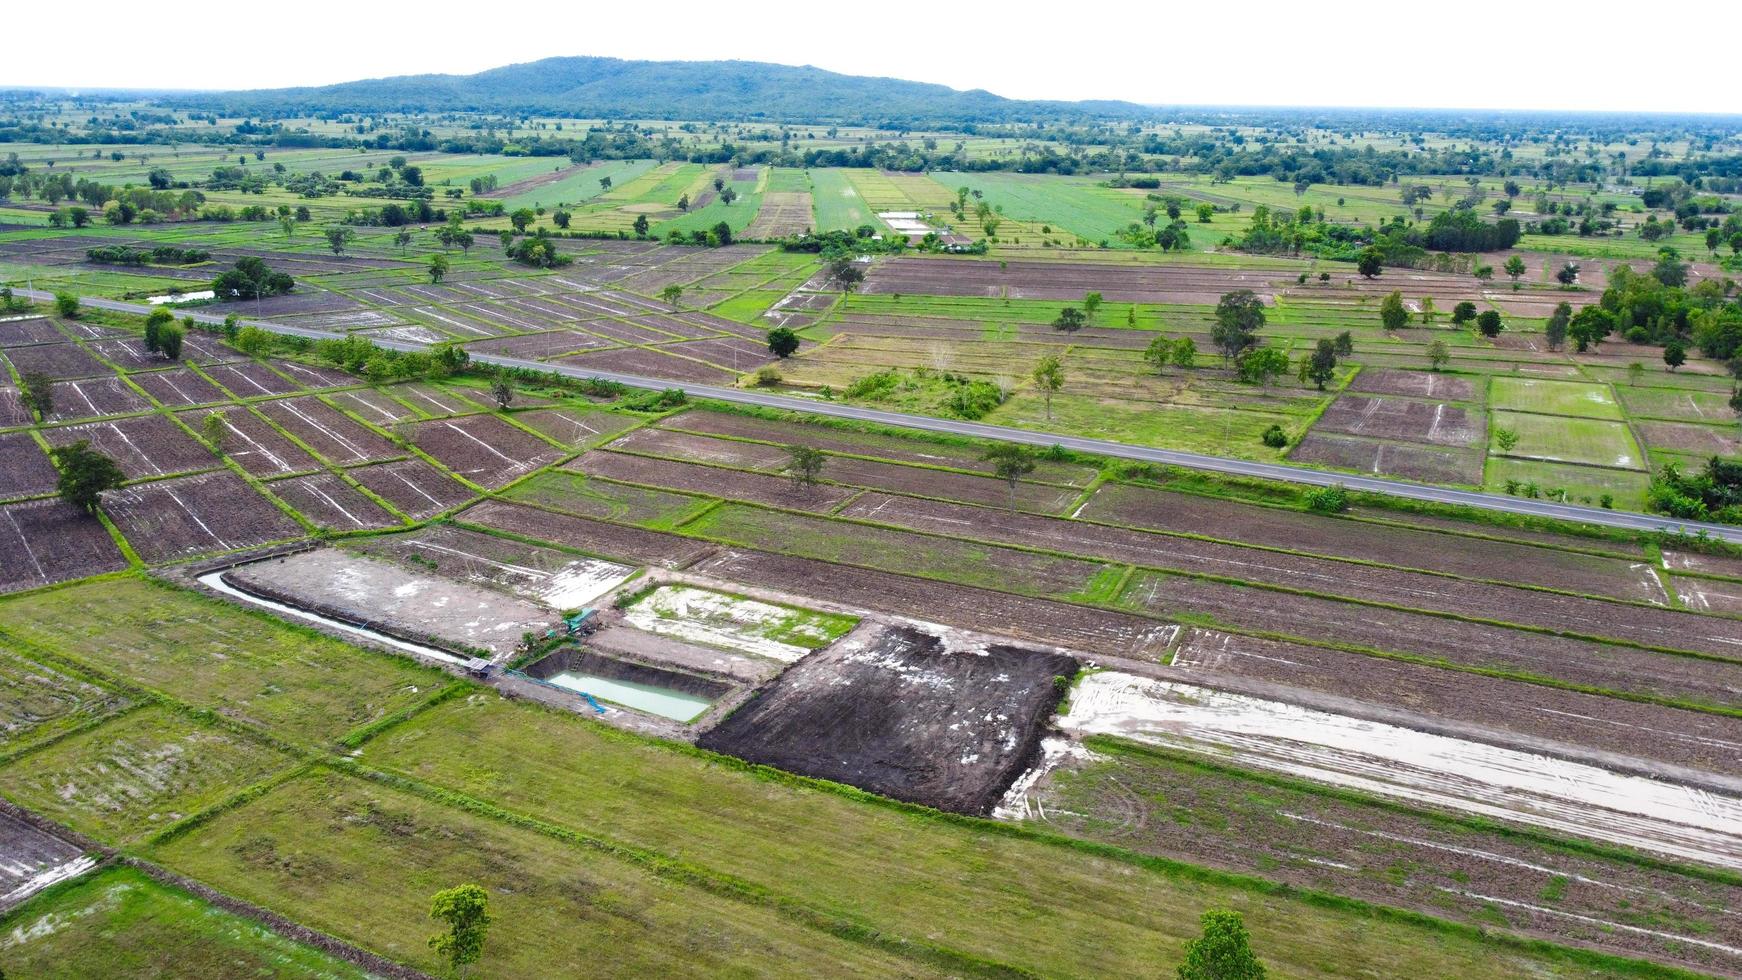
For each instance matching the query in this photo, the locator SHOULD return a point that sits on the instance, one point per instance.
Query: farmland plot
(483, 448)
(332, 504)
(327, 431)
(716, 619)
(47, 541)
(147, 446)
(547, 576)
(39, 702)
(196, 515)
(256, 446)
(178, 387)
(759, 488)
(414, 487)
(250, 380)
(94, 398)
(613, 541)
(27, 471)
(574, 427)
(58, 361)
(574, 493)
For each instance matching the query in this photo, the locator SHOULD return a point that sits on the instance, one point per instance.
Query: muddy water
(1424, 768)
(662, 701)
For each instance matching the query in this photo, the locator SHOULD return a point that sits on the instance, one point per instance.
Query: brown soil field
(705, 449)
(1705, 440)
(371, 406)
(757, 488)
(612, 541)
(1710, 595)
(331, 503)
(255, 446)
(1023, 619)
(25, 470)
(962, 487)
(327, 431)
(735, 354)
(250, 380)
(196, 515)
(312, 376)
(837, 440)
(95, 398)
(1693, 739)
(178, 388)
(538, 346)
(59, 361)
(465, 322)
(622, 332)
(574, 428)
(902, 715)
(1472, 644)
(650, 363)
(434, 401)
(483, 448)
(12, 411)
(783, 214)
(534, 183)
(47, 541)
(36, 330)
(1403, 419)
(128, 353)
(1341, 537)
(1390, 459)
(1160, 804)
(414, 487)
(147, 446)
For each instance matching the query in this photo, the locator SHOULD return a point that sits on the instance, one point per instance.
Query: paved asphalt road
(1197, 461)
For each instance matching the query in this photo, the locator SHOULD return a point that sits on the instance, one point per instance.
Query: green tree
(1736, 401)
(1369, 262)
(782, 342)
(1590, 327)
(1159, 353)
(169, 341)
(1392, 311)
(1489, 323)
(561, 217)
(1239, 317)
(1263, 365)
(1345, 344)
(604, 183)
(1635, 373)
(1223, 952)
(1463, 313)
(1049, 377)
(521, 219)
(1321, 367)
(1555, 331)
(402, 238)
(1427, 310)
(641, 226)
(465, 911)
(1070, 320)
(1438, 354)
(1010, 462)
(1506, 439)
(339, 236)
(84, 474)
(438, 267)
(1091, 303)
(1674, 354)
(1568, 274)
(67, 305)
(501, 391)
(721, 233)
(1185, 353)
(671, 294)
(1514, 268)
(215, 430)
(805, 464)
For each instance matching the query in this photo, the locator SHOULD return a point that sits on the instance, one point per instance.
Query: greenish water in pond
(662, 701)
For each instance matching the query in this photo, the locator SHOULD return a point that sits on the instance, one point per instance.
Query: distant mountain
(706, 90)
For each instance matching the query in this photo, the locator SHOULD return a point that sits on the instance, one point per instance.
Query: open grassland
(121, 923)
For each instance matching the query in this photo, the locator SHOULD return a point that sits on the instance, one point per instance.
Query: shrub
(1328, 500)
(1275, 438)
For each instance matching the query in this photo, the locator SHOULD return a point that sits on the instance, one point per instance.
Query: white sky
(1478, 53)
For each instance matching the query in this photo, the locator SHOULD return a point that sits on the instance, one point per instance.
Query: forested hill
(708, 90)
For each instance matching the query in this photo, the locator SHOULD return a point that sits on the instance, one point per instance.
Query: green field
(1579, 399)
(1569, 440)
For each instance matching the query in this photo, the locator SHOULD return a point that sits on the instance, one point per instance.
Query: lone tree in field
(502, 391)
(522, 218)
(561, 217)
(1010, 462)
(1555, 331)
(465, 910)
(1514, 268)
(846, 273)
(1321, 367)
(402, 238)
(1438, 354)
(36, 392)
(1223, 952)
(216, 430)
(1163, 351)
(1674, 354)
(1091, 303)
(1344, 344)
(67, 305)
(338, 236)
(805, 464)
(1463, 313)
(1489, 323)
(641, 226)
(84, 474)
(1568, 275)
(1392, 312)
(604, 183)
(1736, 401)
(1369, 263)
(671, 294)
(1070, 320)
(1239, 317)
(1049, 376)
(438, 267)
(782, 342)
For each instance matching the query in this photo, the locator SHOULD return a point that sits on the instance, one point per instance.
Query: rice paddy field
(1073, 707)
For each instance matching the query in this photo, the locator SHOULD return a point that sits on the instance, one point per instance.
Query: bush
(1275, 438)
(67, 305)
(658, 401)
(1328, 500)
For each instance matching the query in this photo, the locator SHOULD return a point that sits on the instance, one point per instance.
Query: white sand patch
(720, 620)
(1433, 769)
